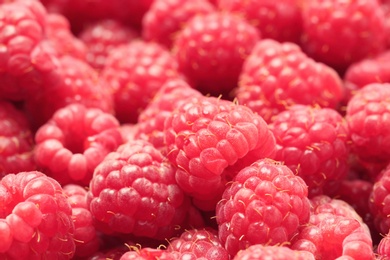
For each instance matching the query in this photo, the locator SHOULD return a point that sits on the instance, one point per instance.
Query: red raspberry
(77, 82)
(59, 34)
(276, 76)
(367, 71)
(211, 49)
(135, 72)
(74, 141)
(265, 204)
(274, 19)
(165, 18)
(333, 231)
(150, 254)
(383, 250)
(16, 141)
(169, 97)
(339, 32)
(202, 244)
(35, 218)
(261, 252)
(314, 143)
(85, 235)
(103, 36)
(210, 140)
(368, 120)
(133, 191)
(24, 62)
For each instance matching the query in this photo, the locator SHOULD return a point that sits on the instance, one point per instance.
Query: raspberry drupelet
(16, 141)
(314, 143)
(210, 140)
(74, 141)
(277, 75)
(265, 204)
(35, 218)
(261, 252)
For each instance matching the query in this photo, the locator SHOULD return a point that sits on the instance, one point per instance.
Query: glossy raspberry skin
(211, 49)
(74, 142)
(134, 72)
(103, 36)
(210, 140)
(150, 254)
(314, 143)
(278, 75)
(199, 244)
(264, 204)
(272, 18)
(85, 234)
(35, 218)
(76, 82)
(261, 252)
(368, 120)
(16, 141)
(165, 19)
(339, 38)
(133, 191)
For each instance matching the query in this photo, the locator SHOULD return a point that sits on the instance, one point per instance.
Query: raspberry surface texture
(35, 218)
(74, 142)
(261, 252)
(265, 204)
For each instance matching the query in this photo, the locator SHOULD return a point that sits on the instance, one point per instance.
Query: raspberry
(103, 36)
(368, 120)
(272, 18)
(165, 18)
(150, 254)
(264, 204)
(211, 49)
(313, 143)
(133, 191)
(169, 97)
(59, 33)
(210, 140)
(339, 32)
(261, 252)
(16, 141)
(35, 218)
(85, 235)
(202, 244)
(278, 75)
(74, 141)
(383, 249)
(25, 63)
(135, 72)
(77, 82)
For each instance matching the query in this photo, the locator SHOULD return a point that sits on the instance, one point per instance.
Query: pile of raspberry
(195, 129)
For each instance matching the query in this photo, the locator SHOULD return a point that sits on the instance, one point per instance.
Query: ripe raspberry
(314, 143)
(165, 18)
(276, 76)
(133, 191)
(383, 250)
(367, 71)
(210, 140)
(173, 94)
(103, 36)
(35, 218)
(211, 49)
(24, 62)
(77, 82)
(85, 235)
(339, 32)
(274, 19)
(199, 244)
(150, 254)
(74, 142)
(16, 141)
(368, 120)
(59, 34)
(135, 72)
(264, 204)
(261, 252)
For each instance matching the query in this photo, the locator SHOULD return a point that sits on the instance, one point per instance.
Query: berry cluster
(195, 129)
